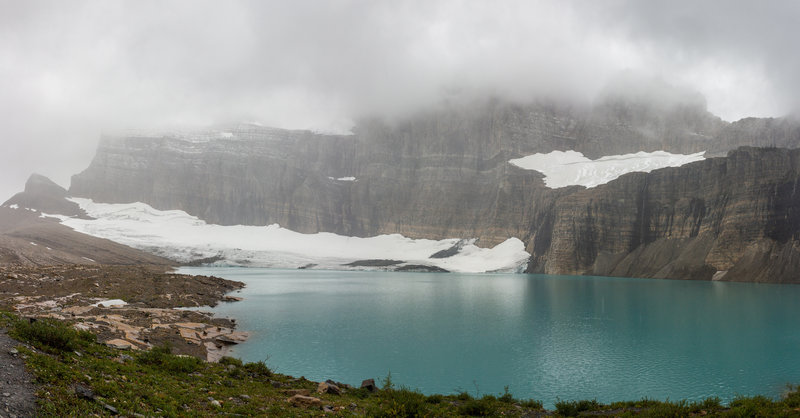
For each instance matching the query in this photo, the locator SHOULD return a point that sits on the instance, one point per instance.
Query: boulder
(234, 337)
(305, 401)
(369, 384)
(325, 387)
(120, 344)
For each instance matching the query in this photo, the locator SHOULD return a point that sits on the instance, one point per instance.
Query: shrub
(402, 403)
(573, 408)
(463, 396)
(669, 409)
(792, 397)
(753, 406)
(532, 404)
(360, 393)
(708, 404)
(478, 407)
(506, 397)
(163, 358)
(154, 356)
(434, 399)
(258, 369)
(51, 335)
(642, 403)
(6, 318)
(227, 361)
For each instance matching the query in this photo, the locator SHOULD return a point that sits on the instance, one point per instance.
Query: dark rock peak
(44, 195)
(39, 184)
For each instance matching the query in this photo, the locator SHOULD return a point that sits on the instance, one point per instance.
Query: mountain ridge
(446, 174)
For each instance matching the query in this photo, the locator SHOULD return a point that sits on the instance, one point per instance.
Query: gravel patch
(17, 392)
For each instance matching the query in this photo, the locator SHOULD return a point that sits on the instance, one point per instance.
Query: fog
(72, 70)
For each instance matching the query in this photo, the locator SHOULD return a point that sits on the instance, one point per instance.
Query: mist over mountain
(447, 173)
(365, 118)
(72, 72)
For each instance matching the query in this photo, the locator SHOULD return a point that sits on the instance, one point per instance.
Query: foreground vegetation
(79, 377)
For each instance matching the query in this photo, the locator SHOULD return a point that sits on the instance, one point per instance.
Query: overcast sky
(70, 70)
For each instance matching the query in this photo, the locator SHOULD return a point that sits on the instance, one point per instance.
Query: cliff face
(439, 174)
(739, 214)
(446, 174)
(259, 177)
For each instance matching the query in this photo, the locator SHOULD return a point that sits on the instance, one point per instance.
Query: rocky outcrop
(44, 195)
(445, 173)
(28, 239)
(739, 215)
(149, 318)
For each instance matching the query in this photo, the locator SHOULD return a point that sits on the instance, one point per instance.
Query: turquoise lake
(542, 336)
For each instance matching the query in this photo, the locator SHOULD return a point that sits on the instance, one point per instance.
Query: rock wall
(439, 174)
(739, 214)
(445, 173)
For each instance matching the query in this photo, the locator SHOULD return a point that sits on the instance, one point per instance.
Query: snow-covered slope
(179, 236)
(571, 168)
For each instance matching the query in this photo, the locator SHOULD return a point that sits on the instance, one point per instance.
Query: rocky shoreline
(128, 307)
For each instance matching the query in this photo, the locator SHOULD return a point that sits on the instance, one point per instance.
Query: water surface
(542, 336)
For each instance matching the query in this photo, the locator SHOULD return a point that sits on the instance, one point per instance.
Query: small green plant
(792, 397)
(6, 318)
(463, 396)
(573, 408)
(163, 358)
(402, 403)
(506, 397)
(230, 361)
(483, 407)
(752, 406)
(50, 335)
(257, 369)
(387, 381)
(532, 404)
(360, 393)
(708, 404)
(434, 399)
(642, 403)
(155, 356)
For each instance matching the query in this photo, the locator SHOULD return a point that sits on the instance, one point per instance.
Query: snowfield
(571, 168)
(179, 236)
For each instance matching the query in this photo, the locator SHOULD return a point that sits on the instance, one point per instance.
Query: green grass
(161, 358)
(159, 383)
(50, 335)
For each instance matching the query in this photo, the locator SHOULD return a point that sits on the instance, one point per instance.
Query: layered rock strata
(446, 174)
(739, 216)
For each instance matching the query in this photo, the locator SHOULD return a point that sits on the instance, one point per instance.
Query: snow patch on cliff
(179, 236)
(571, 168)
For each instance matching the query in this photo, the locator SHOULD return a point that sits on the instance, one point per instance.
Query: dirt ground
(17, 392)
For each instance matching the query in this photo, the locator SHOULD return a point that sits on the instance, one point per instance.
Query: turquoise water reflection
(542, 336)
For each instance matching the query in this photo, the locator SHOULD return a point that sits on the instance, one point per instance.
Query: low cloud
(69, 71)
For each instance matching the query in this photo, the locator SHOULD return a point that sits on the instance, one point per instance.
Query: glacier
(176, 235)
(572, 168)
